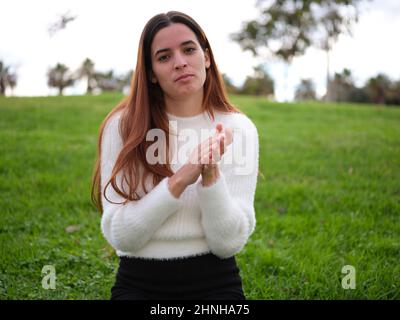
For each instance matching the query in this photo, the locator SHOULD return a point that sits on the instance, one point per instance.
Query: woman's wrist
(176, 185)
(209, 175)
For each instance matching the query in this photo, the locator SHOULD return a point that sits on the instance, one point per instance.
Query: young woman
(176, 224)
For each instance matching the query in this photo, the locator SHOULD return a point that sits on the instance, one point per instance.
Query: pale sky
(108, 33)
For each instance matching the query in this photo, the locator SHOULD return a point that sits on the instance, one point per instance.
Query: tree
(106, 81)
(379, 89)
(260, 83)
(335, 18)
(87, 71)
(7, 78)
(60, 77)
(109, 82)
(394, 94)
(305, 91)
(340, 88)
(288, 27)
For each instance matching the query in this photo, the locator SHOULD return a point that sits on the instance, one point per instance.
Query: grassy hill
(329, 197)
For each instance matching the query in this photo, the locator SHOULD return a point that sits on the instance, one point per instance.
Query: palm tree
(7, 78)
(60, 77)
(87, 71)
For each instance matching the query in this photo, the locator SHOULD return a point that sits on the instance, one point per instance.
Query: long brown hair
(144, 109)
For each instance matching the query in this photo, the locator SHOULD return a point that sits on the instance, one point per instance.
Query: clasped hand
(208, 153)
(202, 161)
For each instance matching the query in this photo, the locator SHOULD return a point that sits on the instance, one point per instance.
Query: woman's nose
(180, 61)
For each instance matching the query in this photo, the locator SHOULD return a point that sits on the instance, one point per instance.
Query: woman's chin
(188, 91)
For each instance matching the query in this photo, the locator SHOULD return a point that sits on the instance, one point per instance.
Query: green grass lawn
(329, 197)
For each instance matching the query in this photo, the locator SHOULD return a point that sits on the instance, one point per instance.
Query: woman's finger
(228, 136)
(210, 143)
(219, 127)
(222, 145)
(213, 148)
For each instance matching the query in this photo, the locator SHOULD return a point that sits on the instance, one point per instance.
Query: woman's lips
(185, 78)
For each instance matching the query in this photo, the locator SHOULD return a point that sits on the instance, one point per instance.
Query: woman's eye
(190, 50)
(166, 57)
(163, 58)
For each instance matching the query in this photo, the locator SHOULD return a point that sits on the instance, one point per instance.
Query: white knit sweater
(218, 218)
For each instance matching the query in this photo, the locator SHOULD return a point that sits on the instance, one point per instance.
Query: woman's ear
(207, 58)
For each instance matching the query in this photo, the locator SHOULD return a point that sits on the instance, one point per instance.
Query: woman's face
(175, 52)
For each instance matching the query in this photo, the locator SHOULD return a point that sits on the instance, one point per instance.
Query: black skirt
(204, 277)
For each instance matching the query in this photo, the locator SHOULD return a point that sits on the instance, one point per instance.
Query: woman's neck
(185, 107)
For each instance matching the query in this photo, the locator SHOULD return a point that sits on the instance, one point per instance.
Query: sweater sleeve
(128, 227)
(227, 206)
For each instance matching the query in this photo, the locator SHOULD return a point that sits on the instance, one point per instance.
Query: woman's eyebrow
(182, 44)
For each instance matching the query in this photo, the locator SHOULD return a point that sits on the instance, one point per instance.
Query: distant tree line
(379, 89)
(61, 77)
(260, 83)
